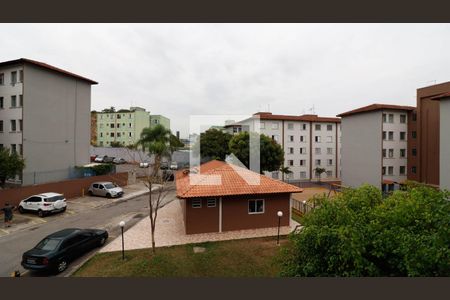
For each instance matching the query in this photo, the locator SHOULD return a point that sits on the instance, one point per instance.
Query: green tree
(271, 153)
(358, 233)
(213, 144)
(319, 172)
(112, 109)
(11, 164)
(116, 144)
(175, 143)
(285, 170)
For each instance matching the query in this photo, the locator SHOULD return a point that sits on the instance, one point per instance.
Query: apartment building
(309, 141)
(159, 120)
(124, 126)
(44, 116)
(375, 145)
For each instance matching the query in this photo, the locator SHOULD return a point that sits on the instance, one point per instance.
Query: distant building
(124, 126)
(159, 119)
(93, 128)
(44, 116)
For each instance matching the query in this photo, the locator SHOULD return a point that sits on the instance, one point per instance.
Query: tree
(175, 143)
(271, 153)
(112, 109)
(319, 172)
(116, 144)
(358, 233)
(285, 170)
(156, 140)
(213, 144)
(11, 164)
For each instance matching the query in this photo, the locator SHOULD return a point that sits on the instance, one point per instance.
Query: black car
(58, 249)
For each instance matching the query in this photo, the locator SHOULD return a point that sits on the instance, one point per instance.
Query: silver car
(105, 189)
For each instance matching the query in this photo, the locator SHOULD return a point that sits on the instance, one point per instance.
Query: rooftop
(231, 182)
(45, 66)
(307, 118)
(375, 107)
(441, 96)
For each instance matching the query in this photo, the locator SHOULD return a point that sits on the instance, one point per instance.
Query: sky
(182, 70)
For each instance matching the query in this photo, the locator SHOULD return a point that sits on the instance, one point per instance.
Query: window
(290, 126)
(329, 127)
(101, 143)
(118, 116)
(21, 76)
(302, 138)
(13, 77)
(414, 152)
(13, 125)
(329, 162)
(303, 150)
(20, 149)
(414, 134)
(329, 139)
(112, 134)
(1, 126)
(1, 146)
(403, 119)
(13, 148)
(20, 125)
(112, 125)
(101, 134)
(302, 162)
(384, 135)
(329, 150)
(402, 135)
(402, 170)
(275, 138)
(274, 125)
(130, 125)
(402, 153)
(118, 134)
(391, 170)
(290, 162)
(391, 153)
(291, 150)
(303, 174)
(129, 134)
(329, 174)
(414, 116)
(413, 170)
(262, 125)
(317, 139)
(391, 135)
(318, 151)
(20, 100)
(317, 127)
(129, 116)
(1, 103)
(101, 125)
(317, 162)
(211, 202)
(291, 138)
(391, 118)
(303, 126)
(111, 116)
(384, 118)
(383, 171)
(256, 206)
(384, 153)
(197, 203)
(118, 125)
(13, 101)
(2, 78)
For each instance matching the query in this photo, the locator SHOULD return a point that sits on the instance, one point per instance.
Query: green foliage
(157, 141)
(319, 171)
(102, 169)
(116, 144)
(109, 110)
(271, 153)
(357, 233)
(175, 143)
(213, 144)
(11, 164)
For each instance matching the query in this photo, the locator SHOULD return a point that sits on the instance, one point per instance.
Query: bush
(102, 169)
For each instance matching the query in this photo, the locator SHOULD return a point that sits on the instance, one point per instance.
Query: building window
(211, 202)
(256, 206)
(262, 125)
(384, 135)
(13, 148)
(290, 162)
(391, 118)
(403, 119)
(291, 150)
(21, 100)
(317, 162)
(111, 116)
(402, 135)
(384, 153)
(13, 125)
(101, 125)
(413, 170)
(317, 139)
(390, 170)
(118, 116)
(391, 135)
(329, 150)
(21, 76)
(118, 125)
(291, 138)
(391, 153)
(129, 134)
(384, 118)
(302, 162)
(329, 174)
(20, 125)
(290, 126)
(2, 78)
(318, 151)
(101, 143)
(414, 134)
(402, 170)
(13, 77)
(317, 127)
(129, 116)
(414, 116)
(414, 152)
(303, 174)
(302, 138)
(112, 125)
(1, 126)
(275, 138)
(303, 126)
(329, 139)
(1, 103)
(329, 127)
(197, 203)
(130, 125)
(111, 134)
(20, 149)
(383, 171)
(13, 101)
(329, 162)
(402, 153)
(101, 134)
(274, 125)
(118, 134)
(303, 150)
(275, 175)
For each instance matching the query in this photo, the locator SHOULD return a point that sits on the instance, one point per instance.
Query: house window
(329, 127)
(13, 125)
(317, 127)
(20, 149)
(317, 162)
(318, 151)
(1, 103)
(291, 138)
(112, 125)
(1, 126)
(403, 119)
(402, 135)
(290, 126)
(402, 170)
(413, 170)
(13, 77)
(112, 134)
(391, 170)
(302, 138)
(383, 172)
(329, 150)
(20, 125)
(2, 78)
(329, 174)
(391, 118)
(384, 135)
(384, 118)
(402, 153)
(329, 139)
(211, 202)
(274, 125)
(13, 101)
(290, 162)
(13, 148)
(303, 174)
(21, 76)
(384, 153)
(256, 206)
(197, 203)
(317, 139)
(303, 126)
(291, 150)
(414, 152)
(303, 150)
(391, 153)
(391, 135)
(262, 125)
(20, 100)
(414, 134)
(302, 162)
(329, 162)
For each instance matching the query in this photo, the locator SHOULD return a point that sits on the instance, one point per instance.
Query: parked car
(108, 159)
(100, 158)
(93, 157)
(58, 249)
(144, 164)
(119, 161)
(164, 165)
(174, 165)
(43, 204)
(168, 175)
(105, 189)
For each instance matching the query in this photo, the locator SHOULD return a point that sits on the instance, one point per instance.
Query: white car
(105, 189)
(43, 204)
(174, 165)
(99, 158)
(144, 165)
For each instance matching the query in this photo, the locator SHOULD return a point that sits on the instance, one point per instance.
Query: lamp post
(122, 224)
(279, 214)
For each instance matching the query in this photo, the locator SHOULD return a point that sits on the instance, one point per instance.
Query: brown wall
(428, 132)
(201, 220)
(70, 188)
(412, 144)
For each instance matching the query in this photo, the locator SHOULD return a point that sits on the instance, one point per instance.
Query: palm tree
(285, 170)
(156, 140)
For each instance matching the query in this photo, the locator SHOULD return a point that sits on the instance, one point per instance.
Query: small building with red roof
(219, 197)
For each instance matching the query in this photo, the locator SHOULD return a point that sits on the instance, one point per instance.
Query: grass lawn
(237, 258)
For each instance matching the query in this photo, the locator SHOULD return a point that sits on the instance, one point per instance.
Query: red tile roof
(441, 96)
(375, 107)
(46, 66)
(217, 178)
(307, 118)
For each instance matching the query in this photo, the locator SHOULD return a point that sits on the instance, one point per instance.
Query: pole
(278, 236)
(123, 247)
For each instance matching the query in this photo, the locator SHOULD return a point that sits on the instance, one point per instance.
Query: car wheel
(108, 195)
(21, 210)
(62, 265)
(90, 193)
(41, 214)
(64, 209)
(102, 241)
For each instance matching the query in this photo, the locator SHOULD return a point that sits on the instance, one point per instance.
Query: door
(34, 203)
(101, 190)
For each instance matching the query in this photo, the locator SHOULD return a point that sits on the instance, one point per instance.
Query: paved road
(108, 217)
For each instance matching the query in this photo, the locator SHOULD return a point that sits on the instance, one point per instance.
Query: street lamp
(122, 224)
(279, 214)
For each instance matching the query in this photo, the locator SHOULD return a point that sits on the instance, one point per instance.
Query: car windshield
(48, 244)
(54, 198)
(109, 186)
